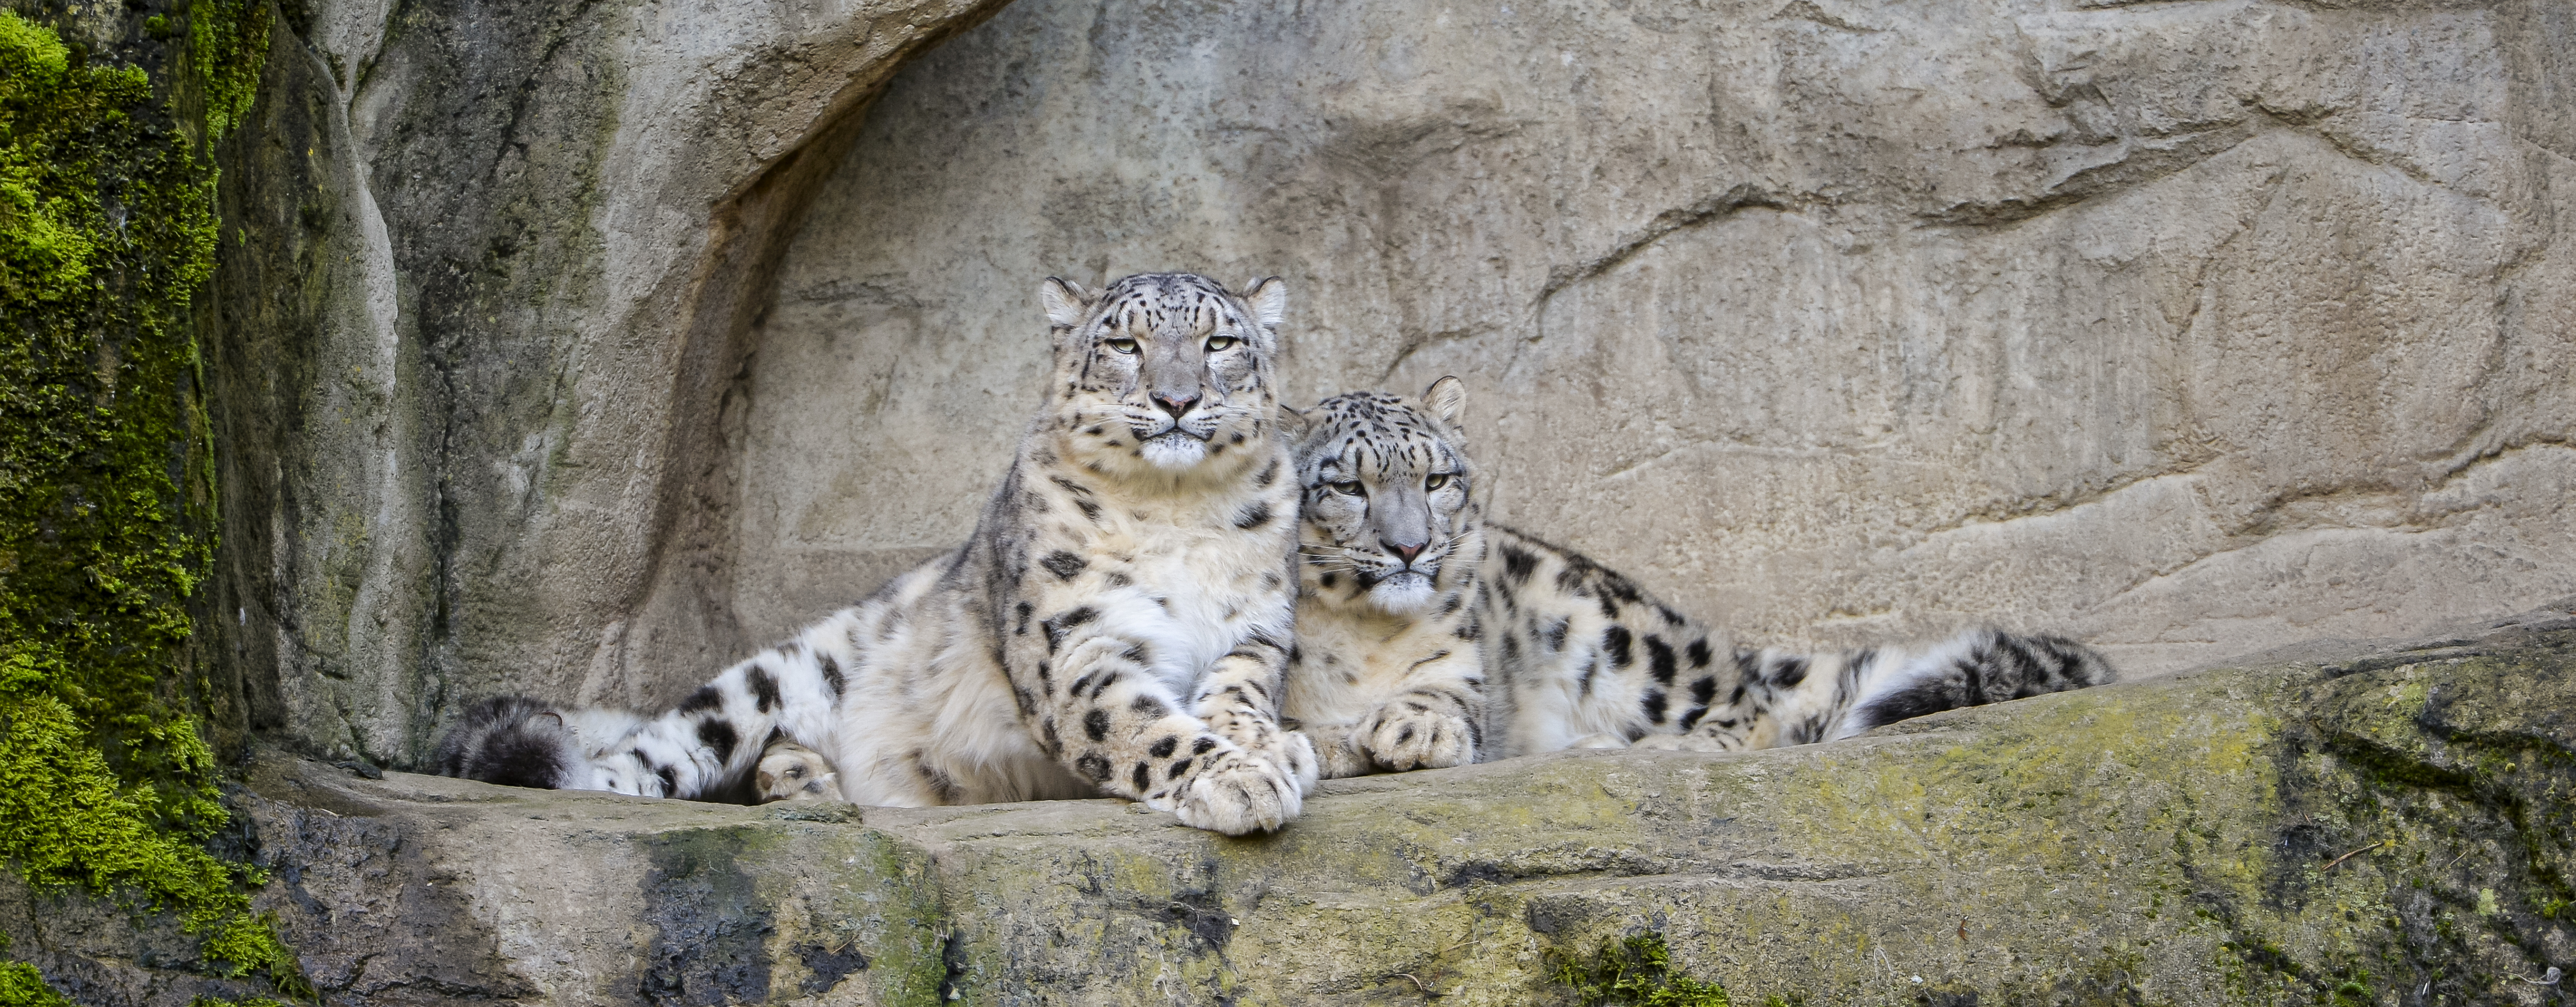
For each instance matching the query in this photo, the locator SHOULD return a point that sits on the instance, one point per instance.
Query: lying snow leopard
(1118, 623)
(1398, 634)
(1428, 638)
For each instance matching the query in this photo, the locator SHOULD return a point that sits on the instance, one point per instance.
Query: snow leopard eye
(1435, 481)
(1219, 343)
(1122, 345)
(1349, 489)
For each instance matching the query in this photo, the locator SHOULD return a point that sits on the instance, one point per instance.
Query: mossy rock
(107, 234)
(2379, 824)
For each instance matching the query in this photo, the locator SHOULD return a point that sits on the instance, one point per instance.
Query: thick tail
(704, 749)
(1976, 668)
(513, 741)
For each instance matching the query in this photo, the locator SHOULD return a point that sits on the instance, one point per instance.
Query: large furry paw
(1297, 757)
(792, 772)
(1337, 751)
(1683, 743)
(1261, 737)
(1398, 738)
(1603, 740)
(1292, 755)
(1238, 793)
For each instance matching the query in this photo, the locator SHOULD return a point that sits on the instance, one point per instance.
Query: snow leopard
(1118, 623)
(1428, 637)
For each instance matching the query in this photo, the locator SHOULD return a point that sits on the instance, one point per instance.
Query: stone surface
(577, 348)
(581, 349)
(2192, 328)
(486, 268)
(2373, 823)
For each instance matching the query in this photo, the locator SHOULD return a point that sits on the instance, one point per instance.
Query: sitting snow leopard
(1427, 638)
(1118, 623)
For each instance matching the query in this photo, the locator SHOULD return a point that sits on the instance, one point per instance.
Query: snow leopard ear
(1447, 398)
(1295, 422)
(1065, 301)
(1268, 299)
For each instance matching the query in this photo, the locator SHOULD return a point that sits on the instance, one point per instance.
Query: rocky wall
(488, 266)
(579, 349)
(2191, 328)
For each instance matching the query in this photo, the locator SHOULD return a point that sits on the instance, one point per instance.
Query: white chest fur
(1195, 585)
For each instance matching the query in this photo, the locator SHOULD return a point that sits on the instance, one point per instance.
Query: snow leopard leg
(1104, 714)
(788, 771)
(1433, 724)
(1337, 750)
(1779, 697)
(1239, 699)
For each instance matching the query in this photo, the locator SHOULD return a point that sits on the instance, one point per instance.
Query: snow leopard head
(1161, 372)
(1387, 518)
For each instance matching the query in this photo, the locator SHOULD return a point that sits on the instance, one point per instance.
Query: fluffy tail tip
(1981, 667)
(514, 741)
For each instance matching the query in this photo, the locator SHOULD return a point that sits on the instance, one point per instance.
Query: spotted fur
(1387, 674)
(1428, 637)
(1118, 624)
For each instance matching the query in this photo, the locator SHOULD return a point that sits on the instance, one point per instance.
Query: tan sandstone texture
(487, 266)
(580, 349)
(2194, 328)
(2342, 824)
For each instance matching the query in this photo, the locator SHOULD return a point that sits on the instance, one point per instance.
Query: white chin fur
(1174, 450)
(1403, 594)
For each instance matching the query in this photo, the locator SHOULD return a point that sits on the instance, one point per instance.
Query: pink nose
(1175, 405)
(1405, 551)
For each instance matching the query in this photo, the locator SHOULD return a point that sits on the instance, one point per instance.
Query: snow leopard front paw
(1297, 757)
(1602, 740)
(792, 772)
(1236, 792)
(1261, 737)
(1337, 750)
(1400, 737)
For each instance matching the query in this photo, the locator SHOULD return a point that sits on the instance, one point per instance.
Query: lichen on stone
(107, 231)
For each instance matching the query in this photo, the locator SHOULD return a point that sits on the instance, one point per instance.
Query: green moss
(227, 45)
(107, 231)
(20, 986)
(1636, 971)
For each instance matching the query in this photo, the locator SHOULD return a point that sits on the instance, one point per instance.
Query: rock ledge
(2202, 838)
